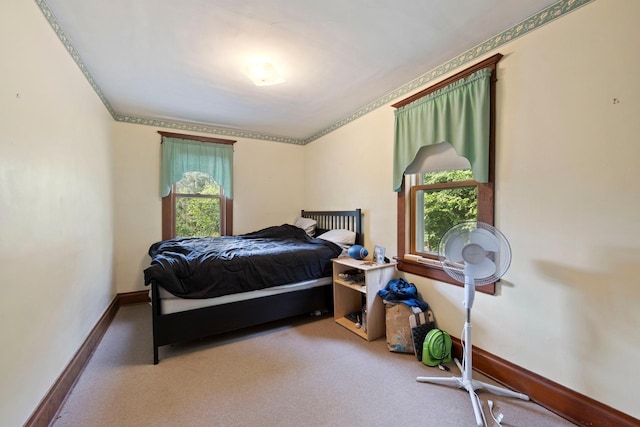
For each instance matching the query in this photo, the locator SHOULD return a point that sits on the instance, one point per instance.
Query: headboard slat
(331, 220)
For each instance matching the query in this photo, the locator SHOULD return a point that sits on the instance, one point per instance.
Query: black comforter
(214, 266)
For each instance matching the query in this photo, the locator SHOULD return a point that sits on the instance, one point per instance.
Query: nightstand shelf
(351, 297)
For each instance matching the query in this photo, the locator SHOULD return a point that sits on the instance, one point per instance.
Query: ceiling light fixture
(263, 73)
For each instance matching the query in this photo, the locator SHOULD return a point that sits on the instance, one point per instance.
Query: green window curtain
(458, 113)
(183, 155)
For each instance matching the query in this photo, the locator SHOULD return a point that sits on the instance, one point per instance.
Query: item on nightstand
(364, 318)
(358, 252)
(352, 276)
(354, 317)
(421, 324)
(436, 348)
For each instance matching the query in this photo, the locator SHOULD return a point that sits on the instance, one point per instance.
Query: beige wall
(56, 209)
(264, 193)
(567, 199)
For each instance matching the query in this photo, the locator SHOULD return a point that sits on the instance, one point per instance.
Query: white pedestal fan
(476, 254)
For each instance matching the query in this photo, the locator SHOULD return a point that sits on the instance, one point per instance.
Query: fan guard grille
(500, 254)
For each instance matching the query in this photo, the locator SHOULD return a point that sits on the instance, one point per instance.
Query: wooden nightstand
(351, 296)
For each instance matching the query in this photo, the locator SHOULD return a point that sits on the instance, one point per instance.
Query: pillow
(320, 231)
(307, 224)
(340, 237)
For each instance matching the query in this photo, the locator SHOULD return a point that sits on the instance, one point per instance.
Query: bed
(183, 315)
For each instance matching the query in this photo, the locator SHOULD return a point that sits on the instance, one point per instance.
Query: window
(199, 206)
(430, 202)
(194, 202)
(442, 200)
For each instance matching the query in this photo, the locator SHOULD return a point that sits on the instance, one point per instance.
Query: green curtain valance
(458, 113)
(183, 155)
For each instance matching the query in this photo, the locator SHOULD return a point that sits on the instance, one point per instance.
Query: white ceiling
(183, 61)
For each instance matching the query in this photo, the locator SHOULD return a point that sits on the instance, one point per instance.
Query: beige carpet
(293, 373)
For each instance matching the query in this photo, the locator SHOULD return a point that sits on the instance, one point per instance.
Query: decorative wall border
(541, 18)
(48, 14)
(551, 13)
(194, 127)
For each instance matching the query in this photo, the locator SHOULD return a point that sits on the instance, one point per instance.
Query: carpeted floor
(293, 373)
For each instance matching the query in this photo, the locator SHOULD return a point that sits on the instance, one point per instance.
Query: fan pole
(469, 295)
(467, 381)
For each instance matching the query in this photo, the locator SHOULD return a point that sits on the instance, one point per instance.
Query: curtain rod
(487, 63)
(197, 138)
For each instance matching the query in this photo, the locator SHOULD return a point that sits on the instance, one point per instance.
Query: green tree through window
(442, 208)
(198, 206)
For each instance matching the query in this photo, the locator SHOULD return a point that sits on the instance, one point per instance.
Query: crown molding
(48, 14)
(551, 13)
(541, 18)
(195, 127)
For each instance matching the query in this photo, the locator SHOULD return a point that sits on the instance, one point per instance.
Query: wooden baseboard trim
(136, 297)
(573, 406)
(566, 403)
(51, 403)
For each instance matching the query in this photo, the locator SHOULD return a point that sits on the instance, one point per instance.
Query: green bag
(436, 348)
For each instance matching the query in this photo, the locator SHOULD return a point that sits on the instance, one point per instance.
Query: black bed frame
(203, 322)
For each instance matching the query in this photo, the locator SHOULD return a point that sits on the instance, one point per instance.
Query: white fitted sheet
(172, 304)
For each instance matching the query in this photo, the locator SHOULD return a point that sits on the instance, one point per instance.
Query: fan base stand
(466, 381)
(471, 386)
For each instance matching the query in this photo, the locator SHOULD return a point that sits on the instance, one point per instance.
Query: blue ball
(358, 252)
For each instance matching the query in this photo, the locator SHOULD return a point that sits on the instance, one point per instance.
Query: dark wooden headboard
(331, 220)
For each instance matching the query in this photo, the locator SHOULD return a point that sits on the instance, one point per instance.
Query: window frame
(485, 191)
(169, 202)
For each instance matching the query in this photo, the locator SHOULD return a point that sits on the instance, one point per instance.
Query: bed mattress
(172, 304)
